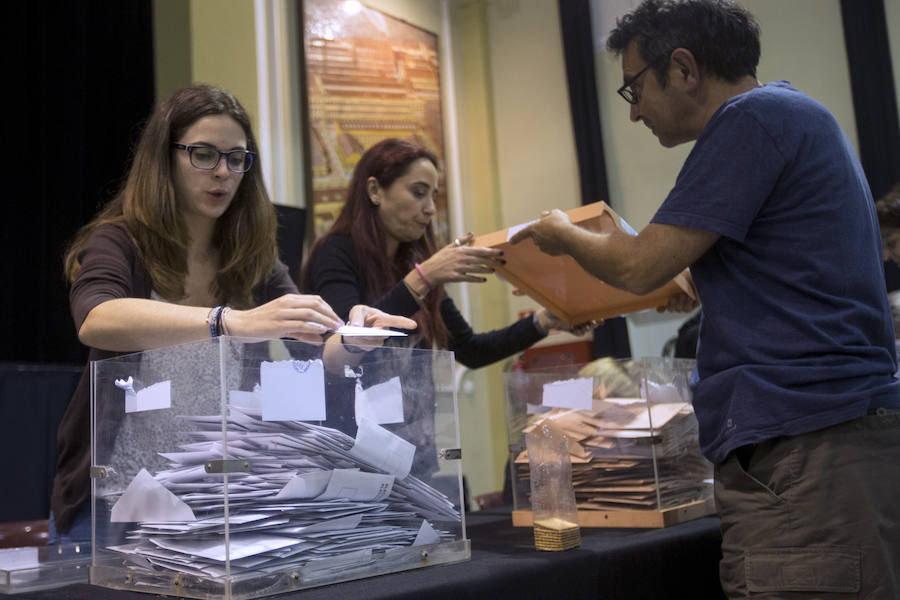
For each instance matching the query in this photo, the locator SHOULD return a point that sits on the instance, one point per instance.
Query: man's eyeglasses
(204, 157)
(626, 91)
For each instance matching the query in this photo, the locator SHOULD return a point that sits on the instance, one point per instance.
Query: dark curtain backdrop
(874, 100)
(80, 82)
(611, 338)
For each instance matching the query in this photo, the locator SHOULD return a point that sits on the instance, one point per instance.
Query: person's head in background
(388, 213)
(168, 187)
(390, 200)
(888, 209)
(722, 36)
(677, 56)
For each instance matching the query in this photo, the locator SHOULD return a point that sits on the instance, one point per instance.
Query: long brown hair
(146, 205)
(386, 161)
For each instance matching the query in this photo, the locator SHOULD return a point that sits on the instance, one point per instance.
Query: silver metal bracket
(227, 466)
(101, 472)
(450, 453)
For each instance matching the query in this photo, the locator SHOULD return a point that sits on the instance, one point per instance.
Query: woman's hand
(366, 316)
(460, 262)
(680, 303)
(301, 316)
(548, 322)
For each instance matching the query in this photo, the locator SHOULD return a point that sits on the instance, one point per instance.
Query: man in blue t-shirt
(794, 389)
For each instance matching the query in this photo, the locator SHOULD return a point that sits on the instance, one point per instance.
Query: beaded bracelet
(213, 320)
(219, 329)
(422, 275)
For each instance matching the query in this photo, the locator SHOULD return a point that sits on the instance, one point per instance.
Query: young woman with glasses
(186, 250)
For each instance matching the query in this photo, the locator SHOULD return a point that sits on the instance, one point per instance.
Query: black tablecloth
(677, 562)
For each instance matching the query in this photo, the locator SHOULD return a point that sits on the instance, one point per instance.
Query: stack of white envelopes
(311, 495)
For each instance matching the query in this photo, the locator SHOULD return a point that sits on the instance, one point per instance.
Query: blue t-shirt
(796, 333)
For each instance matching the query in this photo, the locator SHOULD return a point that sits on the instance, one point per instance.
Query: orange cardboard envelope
(562, 286)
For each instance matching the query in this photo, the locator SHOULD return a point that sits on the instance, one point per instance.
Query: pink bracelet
(422, 275)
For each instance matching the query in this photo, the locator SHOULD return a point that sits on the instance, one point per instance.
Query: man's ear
(684, 69)
(373, 190)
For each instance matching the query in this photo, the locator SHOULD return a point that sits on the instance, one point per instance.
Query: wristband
(419, 298)
(213, 320)
(222, 320)
(422, 275)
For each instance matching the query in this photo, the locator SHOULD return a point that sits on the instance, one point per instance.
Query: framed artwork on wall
(367, 76)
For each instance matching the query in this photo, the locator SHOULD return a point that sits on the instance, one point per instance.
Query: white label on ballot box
(292, 390)
(571, 393)
(154, 397)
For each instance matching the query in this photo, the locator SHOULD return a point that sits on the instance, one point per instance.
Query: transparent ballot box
(35, 568)
(632, 440)
(234, 468)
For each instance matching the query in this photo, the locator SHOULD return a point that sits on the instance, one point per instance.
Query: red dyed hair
(386, 161)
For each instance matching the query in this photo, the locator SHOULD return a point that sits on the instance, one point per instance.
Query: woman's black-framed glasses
(204, 157)
(626, 91)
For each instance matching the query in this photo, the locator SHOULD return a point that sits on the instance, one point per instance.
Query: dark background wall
(83, 81)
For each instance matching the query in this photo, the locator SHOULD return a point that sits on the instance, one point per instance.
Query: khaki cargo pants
(815, 515)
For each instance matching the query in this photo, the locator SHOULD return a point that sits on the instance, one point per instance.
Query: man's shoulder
(776, 99)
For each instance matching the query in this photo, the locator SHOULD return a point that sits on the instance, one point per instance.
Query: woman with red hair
(381, 251)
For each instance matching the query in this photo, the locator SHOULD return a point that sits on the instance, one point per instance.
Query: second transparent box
(632, 438)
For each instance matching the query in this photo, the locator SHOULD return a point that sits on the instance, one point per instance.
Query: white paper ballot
(517, 228)
(571, 393)
(307, 485)
(357, 485)
(241, 546)
(241, 399)
(353, 331)
(382, 449)
(382, 403)
(426, 535)
(145, 499)
(292, 390)
(154, 397)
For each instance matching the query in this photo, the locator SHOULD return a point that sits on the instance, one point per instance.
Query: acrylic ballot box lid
(235, 468)
(36, 568)
(632, 439)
